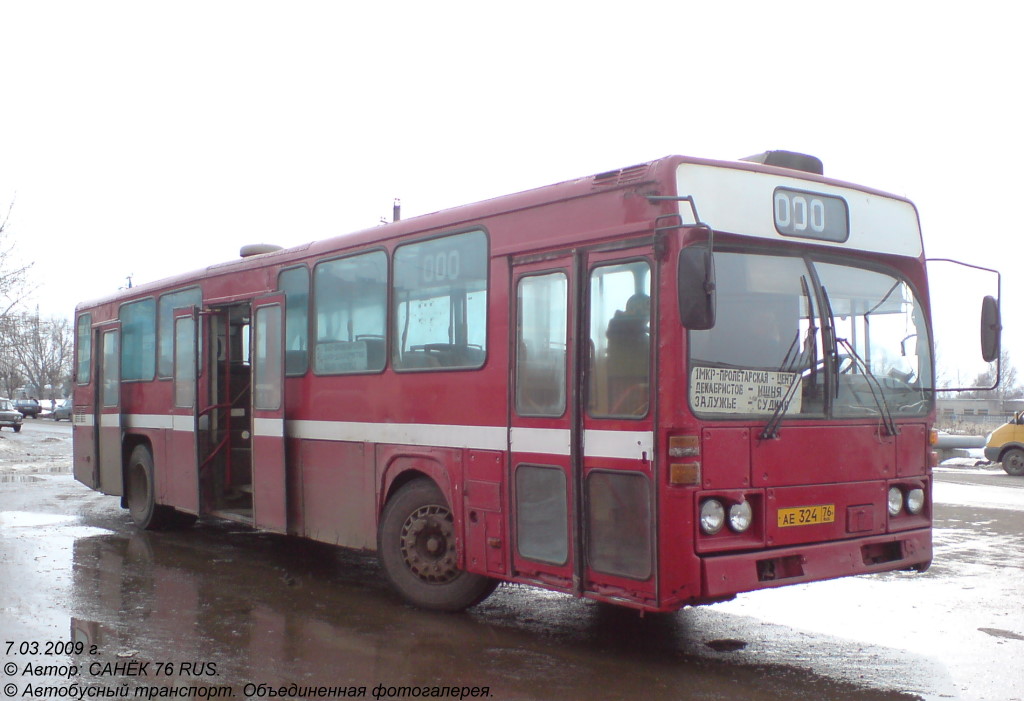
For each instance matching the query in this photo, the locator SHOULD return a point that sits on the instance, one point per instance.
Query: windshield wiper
(873, 383)
(890, 425)
(771, 429)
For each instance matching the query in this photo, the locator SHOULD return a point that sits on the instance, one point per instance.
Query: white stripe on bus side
(480, 437)
(272, 428)
(629, 445)
(154, 421)
(553, 441)
(110, 421)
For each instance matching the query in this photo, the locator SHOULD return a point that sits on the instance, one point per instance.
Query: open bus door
(268, 434)
(108, 435)
(182, 480)
(581, 442)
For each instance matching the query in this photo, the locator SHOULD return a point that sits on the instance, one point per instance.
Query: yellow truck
(1006, 445)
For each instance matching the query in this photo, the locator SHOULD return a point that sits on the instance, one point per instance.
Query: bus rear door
(183, 454)
(544, 426)
(268, 430)
(108, 410)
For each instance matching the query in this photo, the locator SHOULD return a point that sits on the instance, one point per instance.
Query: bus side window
(541, 343)
(620, 335)
(165, 325)
(83, 350)
(294, 283)
(138, 340)
(350, 298)
(440, 298)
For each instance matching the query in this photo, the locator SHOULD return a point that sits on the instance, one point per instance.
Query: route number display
(811, 215)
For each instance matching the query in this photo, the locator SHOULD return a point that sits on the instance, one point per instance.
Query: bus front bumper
(724, 575)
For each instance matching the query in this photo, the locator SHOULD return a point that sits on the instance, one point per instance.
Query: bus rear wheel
(1013, 462)
(416, 548)
(140, 493)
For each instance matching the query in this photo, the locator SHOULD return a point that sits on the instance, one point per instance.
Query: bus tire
(140, 490)
(416, 549)
(1013, 462)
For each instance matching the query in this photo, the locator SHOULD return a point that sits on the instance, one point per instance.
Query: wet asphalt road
(224, 608)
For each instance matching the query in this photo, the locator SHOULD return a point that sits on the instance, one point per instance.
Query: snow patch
(978, 495)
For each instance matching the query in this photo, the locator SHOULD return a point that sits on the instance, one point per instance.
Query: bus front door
(618, 481)
(582, 486)
(544, 432)
(268, 430)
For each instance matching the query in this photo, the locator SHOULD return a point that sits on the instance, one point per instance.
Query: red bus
(657, 386)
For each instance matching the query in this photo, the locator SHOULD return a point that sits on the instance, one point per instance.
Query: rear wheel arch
(129, 443)
(139, 476)
(140, 489)
(417, 545)
(405, 468)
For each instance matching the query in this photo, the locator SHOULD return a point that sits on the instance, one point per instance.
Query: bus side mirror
(991, 329)
(697, 297)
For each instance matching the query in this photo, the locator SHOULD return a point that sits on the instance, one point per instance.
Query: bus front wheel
(416, 548)
(140, 492)
(1013, 462)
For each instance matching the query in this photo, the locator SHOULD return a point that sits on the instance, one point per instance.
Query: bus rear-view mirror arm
(991, 326)
(696, 273)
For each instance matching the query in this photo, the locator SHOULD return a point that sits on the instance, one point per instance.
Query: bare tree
(11, 377)
(43, 350)
(14, 286)
(13, 272)
(1007, 387)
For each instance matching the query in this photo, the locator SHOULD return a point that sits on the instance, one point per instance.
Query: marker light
(740, 516)
(915, 501)
(712, 516)
(895, 501)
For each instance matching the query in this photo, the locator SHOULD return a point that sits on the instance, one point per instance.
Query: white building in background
(976, 411)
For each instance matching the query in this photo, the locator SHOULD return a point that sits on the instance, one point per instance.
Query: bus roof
(714, 187)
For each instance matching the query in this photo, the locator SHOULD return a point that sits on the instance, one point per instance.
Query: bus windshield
(771, 341)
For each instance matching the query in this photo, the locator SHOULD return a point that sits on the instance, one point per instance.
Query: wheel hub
(428, 544)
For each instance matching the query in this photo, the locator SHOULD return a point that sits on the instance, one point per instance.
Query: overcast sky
(143, 139)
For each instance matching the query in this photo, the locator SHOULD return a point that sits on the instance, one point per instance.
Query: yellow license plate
(807, 515)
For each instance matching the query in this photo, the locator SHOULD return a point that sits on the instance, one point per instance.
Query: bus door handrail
(223, 442)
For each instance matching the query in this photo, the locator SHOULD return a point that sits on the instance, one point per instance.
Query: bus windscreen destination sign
(739, 391)
(811, 215)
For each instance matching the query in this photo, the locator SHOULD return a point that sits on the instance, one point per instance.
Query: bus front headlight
(740, 516)
(915, 501)
(895, 501)
(712, 516)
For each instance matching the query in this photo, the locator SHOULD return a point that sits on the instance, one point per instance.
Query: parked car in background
(1006, 445)
(64, 410)
(9, 416)
(28, 407)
